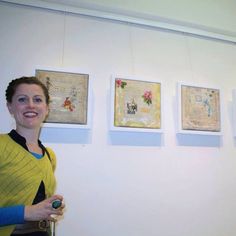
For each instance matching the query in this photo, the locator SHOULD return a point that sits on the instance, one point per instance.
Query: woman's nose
(30, 103)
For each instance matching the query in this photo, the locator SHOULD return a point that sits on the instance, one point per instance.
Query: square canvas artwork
(68, 96)
(137, 104)
(200, 108)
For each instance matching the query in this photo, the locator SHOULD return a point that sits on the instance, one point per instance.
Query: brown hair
(11, 88)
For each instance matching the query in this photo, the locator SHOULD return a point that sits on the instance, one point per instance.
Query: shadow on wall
(66, 135)
(135, 138)
(156, 139)
(197, 140)
(84, 136)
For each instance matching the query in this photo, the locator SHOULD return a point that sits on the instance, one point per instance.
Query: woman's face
(28, 106)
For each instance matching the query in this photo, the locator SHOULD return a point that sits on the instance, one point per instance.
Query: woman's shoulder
(52, 157)
(6, 146)
(4, 138)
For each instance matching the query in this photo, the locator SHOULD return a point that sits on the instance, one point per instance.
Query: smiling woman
(28, 101)
(28, 107)
(25, 161)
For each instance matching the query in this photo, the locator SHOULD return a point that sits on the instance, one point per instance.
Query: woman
(27, 181)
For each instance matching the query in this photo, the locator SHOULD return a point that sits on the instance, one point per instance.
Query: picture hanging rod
(197, 31)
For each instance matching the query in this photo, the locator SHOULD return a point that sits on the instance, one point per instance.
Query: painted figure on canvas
(137, 104)
(69, 96)
(200, 108)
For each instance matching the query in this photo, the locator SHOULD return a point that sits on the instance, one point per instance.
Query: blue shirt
(12, 215)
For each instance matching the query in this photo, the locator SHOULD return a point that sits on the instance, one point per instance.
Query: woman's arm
(12, 215)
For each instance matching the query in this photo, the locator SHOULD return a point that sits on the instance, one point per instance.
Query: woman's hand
(44, 210)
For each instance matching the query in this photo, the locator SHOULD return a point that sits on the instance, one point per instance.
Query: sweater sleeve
(12, 215)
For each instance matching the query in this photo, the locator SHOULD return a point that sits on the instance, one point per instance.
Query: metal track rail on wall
(192, 30)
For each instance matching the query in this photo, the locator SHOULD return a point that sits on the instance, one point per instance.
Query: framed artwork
(136, 105)
(199, 109)
(69, 98)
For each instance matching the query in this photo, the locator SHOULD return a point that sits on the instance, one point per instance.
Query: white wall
(128, 184)
(216, 14)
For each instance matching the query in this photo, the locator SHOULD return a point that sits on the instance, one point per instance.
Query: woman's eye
(22, 100)
(38, 100)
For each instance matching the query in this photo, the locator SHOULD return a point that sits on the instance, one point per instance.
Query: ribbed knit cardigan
(21, 174)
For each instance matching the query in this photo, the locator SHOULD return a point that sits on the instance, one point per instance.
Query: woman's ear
(9, 106)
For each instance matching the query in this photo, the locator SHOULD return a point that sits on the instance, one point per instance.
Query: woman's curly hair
(11, 88)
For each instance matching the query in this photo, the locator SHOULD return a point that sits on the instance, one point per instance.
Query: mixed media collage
(136, 104)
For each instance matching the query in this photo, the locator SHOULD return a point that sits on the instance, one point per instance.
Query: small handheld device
(56, 203)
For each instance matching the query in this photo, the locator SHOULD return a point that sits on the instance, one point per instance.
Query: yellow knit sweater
(21, 174)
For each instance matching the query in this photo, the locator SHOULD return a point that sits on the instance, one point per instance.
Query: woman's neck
(31, 135)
